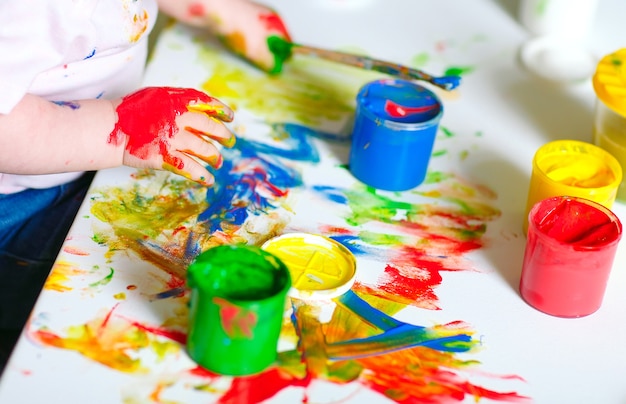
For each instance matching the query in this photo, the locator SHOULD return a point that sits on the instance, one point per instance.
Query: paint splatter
(61, 275)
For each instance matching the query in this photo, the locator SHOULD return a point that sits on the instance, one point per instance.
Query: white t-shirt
(65, 50)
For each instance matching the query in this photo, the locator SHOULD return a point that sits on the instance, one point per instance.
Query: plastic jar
(609, 127)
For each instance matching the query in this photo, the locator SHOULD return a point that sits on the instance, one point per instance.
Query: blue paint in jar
(394, 132)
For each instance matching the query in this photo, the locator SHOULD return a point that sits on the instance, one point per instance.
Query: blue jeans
(33, 226)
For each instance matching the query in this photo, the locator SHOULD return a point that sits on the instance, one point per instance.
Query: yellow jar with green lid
(609, 84)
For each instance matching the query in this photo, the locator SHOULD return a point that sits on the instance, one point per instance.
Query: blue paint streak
(255, 174)
(292, 128)
(70, 104)
(403, 337)
(396, 334)
(352, 243)
(93, 52)
(333, 194)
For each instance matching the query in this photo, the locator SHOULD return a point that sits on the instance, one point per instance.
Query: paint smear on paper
(61, 276)
(432, 235)
(411, 237)
(310, 92)
(111, 341)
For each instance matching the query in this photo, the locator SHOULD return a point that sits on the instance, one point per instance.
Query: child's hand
(247, 32)
(165, 128)
(243, 25)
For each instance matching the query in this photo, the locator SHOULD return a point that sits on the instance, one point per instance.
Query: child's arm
(151, 128)
(243, 25)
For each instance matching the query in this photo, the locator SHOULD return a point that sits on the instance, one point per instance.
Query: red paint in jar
(569, 253)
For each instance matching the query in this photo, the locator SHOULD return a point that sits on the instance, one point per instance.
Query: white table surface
(95, 335)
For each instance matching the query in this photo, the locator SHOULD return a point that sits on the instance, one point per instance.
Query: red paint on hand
(273, 23)
(196, 9)
(147, 121)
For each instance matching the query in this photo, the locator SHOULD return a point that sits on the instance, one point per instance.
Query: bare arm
(243, 25)
(156, 128)
(41, 137)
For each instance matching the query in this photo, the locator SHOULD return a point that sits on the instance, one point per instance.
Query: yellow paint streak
(308, 91)
(62, 272)
(109, 341)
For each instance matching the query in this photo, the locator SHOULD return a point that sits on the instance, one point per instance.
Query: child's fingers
(206, 127)
(215, 109)
(226, 140)
(201, 148)
(191, 169)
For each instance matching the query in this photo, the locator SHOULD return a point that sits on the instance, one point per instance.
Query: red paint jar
(569, 253)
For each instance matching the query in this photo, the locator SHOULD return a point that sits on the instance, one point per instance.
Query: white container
(570, 19)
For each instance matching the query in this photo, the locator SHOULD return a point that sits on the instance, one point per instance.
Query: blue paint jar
(394, 131)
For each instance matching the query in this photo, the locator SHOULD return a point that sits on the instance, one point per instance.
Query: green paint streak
(380, 239)
(420, 60)
(541, 8)
(439, 153)
(105, 280)
(463, 155)
(368, 206)
(447, 132)
(458, 70)
(281, 49)
(100, 238)
(433, 177)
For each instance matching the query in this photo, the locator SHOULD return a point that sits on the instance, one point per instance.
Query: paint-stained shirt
(64, 50)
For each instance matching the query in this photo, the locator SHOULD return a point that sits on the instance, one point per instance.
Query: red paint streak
(333, 230)
(106, 319)
(202, 372)
(178, 230)
(196, 10)
(413, 275)
(236, 321)
(147, 120)
(423, 375)
(131, 287)
(258, 388)
(177, 336)
(273, 22)
(419, 287)
(175, 282)
(256, 178)
(75, 251)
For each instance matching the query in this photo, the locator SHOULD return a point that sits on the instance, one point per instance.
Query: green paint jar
(238, 296)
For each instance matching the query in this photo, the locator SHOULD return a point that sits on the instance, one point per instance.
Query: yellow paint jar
(609, 83)
(573, 168)
(320, 267)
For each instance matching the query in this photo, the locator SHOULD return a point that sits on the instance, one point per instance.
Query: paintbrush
(283, 49)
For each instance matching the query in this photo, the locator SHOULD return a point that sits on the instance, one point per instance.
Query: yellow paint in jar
(609, 83)
(573, 168)
(320, 267)
(582, 171)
